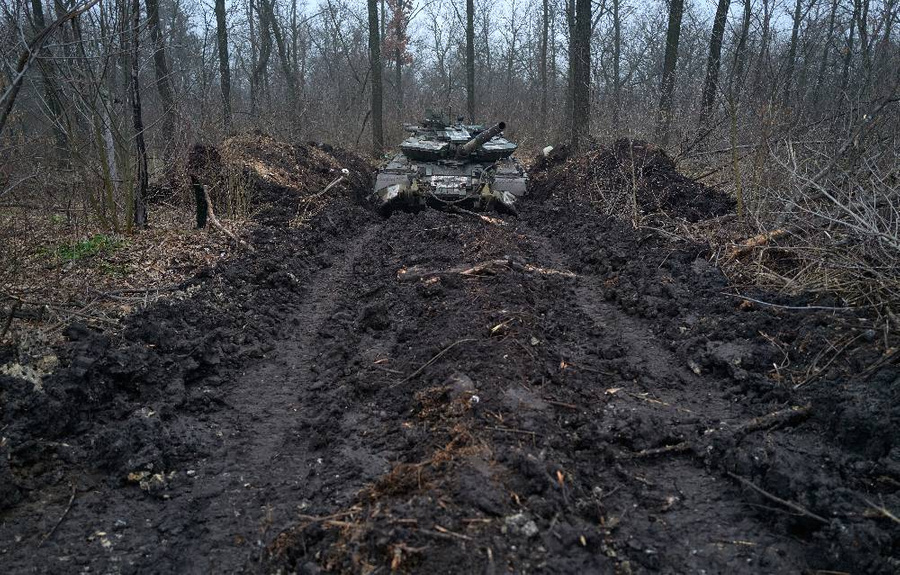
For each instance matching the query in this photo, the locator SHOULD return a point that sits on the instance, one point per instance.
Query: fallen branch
(884, 511)
(764, 422)
(775, 419)
(878, 364)
(824, 369)
(489, 267)
(211, 214)
(789, 504)
(792, 307)
(446, 531)
(676, 448)
(311, 519)
(488, 219)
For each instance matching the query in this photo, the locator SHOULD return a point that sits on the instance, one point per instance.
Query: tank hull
(446, 166)
(407, 183)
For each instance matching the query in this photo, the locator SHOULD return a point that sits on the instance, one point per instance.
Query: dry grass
(841, 231)
(64, 269)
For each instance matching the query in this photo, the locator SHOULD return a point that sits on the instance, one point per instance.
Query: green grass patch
(86, 248)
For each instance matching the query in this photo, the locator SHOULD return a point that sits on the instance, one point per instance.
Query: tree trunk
(224, 63)
(667, 87)
(398, 78)
(570, 76)
(545, 34)
(848, 52)
(50, 93)
(711, 83)
(470, 59)
(264, 39)
(826, 49)
(763, 59)
(581, 76)
(616, 63)
(286, 66)
(375, 65)
(163, 80)
(792, 54)
(740, 55)
(862, 24)
(140, 187)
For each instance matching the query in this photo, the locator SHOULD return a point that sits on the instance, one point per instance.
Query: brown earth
(438, 392)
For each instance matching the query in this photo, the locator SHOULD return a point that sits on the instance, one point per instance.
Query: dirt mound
(282, 181)
(629, 179)
(174, 353)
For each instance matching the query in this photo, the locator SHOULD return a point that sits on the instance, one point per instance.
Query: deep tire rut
(268, 401)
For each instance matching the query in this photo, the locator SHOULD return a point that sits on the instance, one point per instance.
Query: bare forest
(676, 353)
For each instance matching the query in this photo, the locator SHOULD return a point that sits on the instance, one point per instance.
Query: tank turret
(452, 165)
(480, 140)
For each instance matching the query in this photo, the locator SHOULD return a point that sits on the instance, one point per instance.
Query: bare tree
(375, 71)
(50, 92)
(224, 63)
(470, 59)
(798, 16)
(711, 83)
(545, 36)
(581, 74)
(740, 54)
(263, 38)
(396, 47)
(616, 63)
(140, 190)
(163, 79)
(667, 86)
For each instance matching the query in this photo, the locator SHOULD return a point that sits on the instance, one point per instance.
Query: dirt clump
(630, 179)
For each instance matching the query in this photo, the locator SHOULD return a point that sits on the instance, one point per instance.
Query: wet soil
(632, 179)
(440, 392)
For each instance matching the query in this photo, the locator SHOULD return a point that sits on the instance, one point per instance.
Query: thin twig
(676, 448)
(792, 307)
(433, 359)
(825, 367)
(63, 516)
(789, 504)
(512, 430)
(884, 511)
(324, 191)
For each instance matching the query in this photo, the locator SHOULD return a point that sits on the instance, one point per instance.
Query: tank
(445, 165)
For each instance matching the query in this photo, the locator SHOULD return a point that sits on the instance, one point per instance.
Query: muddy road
(447, 393)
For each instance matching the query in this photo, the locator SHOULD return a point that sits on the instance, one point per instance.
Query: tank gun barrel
(480, 140)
